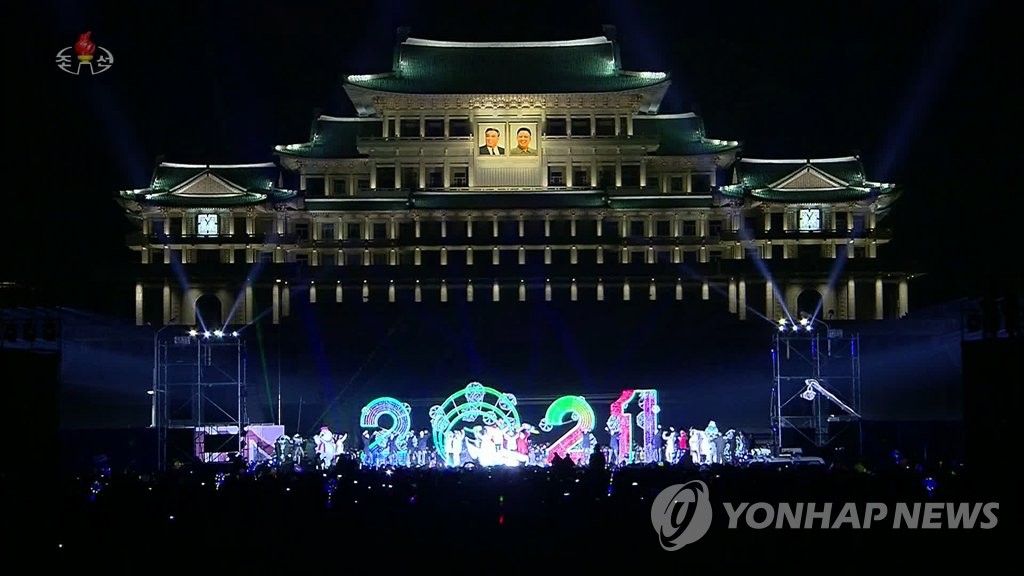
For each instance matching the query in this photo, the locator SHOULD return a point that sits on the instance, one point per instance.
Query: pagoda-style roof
(206, 185)
(680, 135)
(333, 137)
(807, 181)
(560, 67)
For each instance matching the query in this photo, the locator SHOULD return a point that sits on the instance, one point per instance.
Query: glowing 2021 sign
(620, 423)
(498, 409)
(577, 409)
(400, 422)
(474, 401)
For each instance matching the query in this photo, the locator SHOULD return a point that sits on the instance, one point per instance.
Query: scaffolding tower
(816, 388)
(199, 387)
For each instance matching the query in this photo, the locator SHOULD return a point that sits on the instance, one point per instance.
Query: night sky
(914, 88)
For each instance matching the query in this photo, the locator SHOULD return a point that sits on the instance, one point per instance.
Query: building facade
(511, 172)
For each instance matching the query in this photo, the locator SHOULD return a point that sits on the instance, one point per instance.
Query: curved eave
(316, 152)
(802, 196)
(390, 84)
(164, 199)
(701, 148)
(364, 98)
(660, 202)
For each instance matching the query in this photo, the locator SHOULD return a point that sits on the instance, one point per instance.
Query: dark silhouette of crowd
(234, 515)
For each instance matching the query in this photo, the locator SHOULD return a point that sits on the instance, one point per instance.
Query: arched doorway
(208, 312)
(809, 302)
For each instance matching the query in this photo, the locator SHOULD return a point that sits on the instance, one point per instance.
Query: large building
(511, 172)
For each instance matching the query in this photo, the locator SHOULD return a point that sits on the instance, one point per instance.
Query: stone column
(679, 288)
(904, 298)
(167, 303)
(139, 320)
(879, 309)
(741, 306)
(705, 290)
(625, 289)
(600, 290)
(338, 293)
(732, 295)
(851, 299)
(286, 300)
(769, 301)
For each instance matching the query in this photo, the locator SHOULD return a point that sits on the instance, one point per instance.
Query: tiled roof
(659, 201)
(573, 66)
(804, 181)
(680, 135)
(333, 137)
(204, 185)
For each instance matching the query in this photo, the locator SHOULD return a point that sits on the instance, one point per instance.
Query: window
(555, 127)
(636, 228)
(339, 187)
(435, 177)
(652, 181)
(631, 175)
(406, 230)
(385, 177)
(604, 126)
(676, 184)
(458, 127)
(239, 256)
(410, 127)
(663, 228)
(362, 185)
(556, 175)
(327, 232)
(700, 183)
(714, 228)
(581, 126)
(581, 176)
(433, 127)
(410, 178)
(353, 231)
(609, 229)
(460, 177)
(302, 231)
(689, 227)
(266, 257)
(380, 231)
(315, 187)
(208, 256)
(239, 226)
(302, 259)
(328, 259)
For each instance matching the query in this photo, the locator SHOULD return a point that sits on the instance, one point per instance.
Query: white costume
(326, 448)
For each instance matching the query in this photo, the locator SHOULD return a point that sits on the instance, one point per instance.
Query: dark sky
(914, 87)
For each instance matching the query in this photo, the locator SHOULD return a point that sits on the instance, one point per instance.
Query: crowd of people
(256, 514)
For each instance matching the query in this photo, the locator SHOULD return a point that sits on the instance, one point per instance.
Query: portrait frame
(532, 140)
(482, 127)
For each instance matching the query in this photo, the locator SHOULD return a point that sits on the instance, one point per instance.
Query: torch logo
(84, 57)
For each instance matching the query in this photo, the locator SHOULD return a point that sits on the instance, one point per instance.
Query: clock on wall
(206, 225)
(810, 219)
